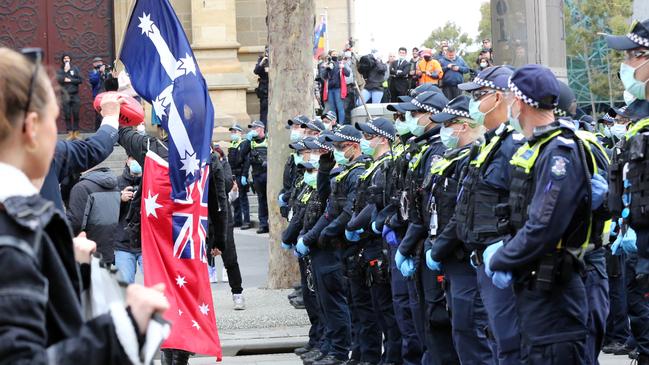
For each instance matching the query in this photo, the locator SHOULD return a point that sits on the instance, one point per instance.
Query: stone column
(214, 40)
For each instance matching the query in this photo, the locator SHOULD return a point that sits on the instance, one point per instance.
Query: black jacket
(235, 157)
(260, 70)
(332, 75)
(376, 77)
(218, 205)
(122, 240)
(41, 320)
(396, 66)
(94, 209)
(69, 88)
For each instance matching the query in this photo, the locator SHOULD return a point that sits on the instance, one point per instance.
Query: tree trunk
(290, 38)
(590, 78)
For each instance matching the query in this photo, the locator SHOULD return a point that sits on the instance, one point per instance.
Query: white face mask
(618, 130)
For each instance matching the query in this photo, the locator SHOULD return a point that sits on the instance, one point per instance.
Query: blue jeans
(372, 96)
(125, 262)
(336, 104)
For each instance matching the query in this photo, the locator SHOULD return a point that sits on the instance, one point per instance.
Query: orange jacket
(433, 67)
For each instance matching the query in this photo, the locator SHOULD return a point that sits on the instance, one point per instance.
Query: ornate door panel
(81, 28)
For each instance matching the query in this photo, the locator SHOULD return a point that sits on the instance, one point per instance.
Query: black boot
(167, 357)
(643, 359)
(181, 357)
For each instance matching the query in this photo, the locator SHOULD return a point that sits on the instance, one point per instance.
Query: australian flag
(163, 70)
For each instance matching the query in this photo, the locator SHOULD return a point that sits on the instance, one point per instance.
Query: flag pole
(121, 41)
(326, 18)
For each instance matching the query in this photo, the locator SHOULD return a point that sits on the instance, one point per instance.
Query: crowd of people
(486, 224)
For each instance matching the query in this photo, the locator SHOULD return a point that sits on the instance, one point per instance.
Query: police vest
(338, 191)
(523, 186)
(366, 192)
(478, 205)
(313, 207)
(412, 199)
(258, 152)
(296, 191)
(234, 157)
(444, 190)
(629, 177)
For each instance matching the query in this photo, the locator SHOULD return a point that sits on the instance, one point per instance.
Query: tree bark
(290, 38)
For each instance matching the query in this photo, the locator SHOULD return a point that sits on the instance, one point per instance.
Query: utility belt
(370, 272)
(332, 244)
(476, 257)
(310, 277)
(552, 270)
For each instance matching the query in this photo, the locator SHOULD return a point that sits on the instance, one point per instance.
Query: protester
(94, 209)
(412, 74)
(128, 252)
(399, 71)
(374, 72)
(97, 77)
(261, 70)
(69, 78)
(354, 80)
(40, 314)
(454, 69)
(429, 70)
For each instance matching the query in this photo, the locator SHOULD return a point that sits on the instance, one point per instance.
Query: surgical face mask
(634, 87)
(297, 158)
(135, 167)
(234, 137)
(296, 135)
(340, 158)
(513, 121)
(628, 98)
(252, 134)
(348, 54)
(475, 113)
(367, 148)
(327, 126)
(413, 125)
(310, 178)
(401, 127)
(484, 64)
(314, 160)
(605, 130)
(448, 137)
(141, 129)
(618, 130)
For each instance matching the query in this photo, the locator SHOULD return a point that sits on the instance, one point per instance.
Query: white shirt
(14, 183)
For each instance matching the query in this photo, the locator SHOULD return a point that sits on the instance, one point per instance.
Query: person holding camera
(335, 90)
(374, 72)
(69, 78)
(97, 77)
(261, 70)
(128, 253)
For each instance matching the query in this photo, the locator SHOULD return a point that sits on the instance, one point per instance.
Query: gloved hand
(327, 162)
(615, 247)
(286, 246)
(629, 241)
(487, 254)
(399, 259)
(502, 279)
(432, 264)
(375, 229)
(389, 236)
(301, 248)
(407, 268)
(600, 188)
(353, 236)
(252, 134)
(280, 201)
(244, 180)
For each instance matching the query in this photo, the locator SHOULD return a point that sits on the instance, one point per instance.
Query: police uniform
(549, 216)
(371, 290)
(236, 158)
(628, 188)
(292, 173)
(429, 319)
(256, 157)
(485, 188)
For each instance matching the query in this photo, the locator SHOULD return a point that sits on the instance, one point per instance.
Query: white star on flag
(180, 312)
(187, 65)
(146, 24)
(190, 163)
(180, 281)
(204, 309)
(150, 204)
(196, 325)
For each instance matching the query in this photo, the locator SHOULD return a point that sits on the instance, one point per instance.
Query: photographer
(97, 76)
(261, 70)
(334, 74)
(128, 253)
(374, 71)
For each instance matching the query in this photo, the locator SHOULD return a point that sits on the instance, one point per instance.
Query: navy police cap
(637, 37)
(346, 133)
(536, 86)
(495, 77)
(566, 98)
(378, 126)
(299, 119)
(456, 108)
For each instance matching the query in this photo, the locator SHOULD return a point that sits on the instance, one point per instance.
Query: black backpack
(366, 64)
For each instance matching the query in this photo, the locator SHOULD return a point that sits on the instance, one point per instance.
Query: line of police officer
(474, 230)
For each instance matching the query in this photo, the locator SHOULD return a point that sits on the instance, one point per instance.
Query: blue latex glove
(353, 236)
(244, 180)
(286, 246)
(399, 259)
(600, 187)
(407, 268)
(252, 134)
(432, 264)
(615, 247)
(374, 229)
(280, 201)
(629, 241)
(301, 247)
(487, 254)
(502, 279)
(389, 236)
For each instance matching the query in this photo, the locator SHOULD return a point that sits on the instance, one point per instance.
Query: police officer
(330, 121)
(423, 342)
(255, 151)
(292, 170)
(236, 159)
(549, 214)
(371, 197)
(468, 315)
(326, 263)
(628, 182)
(313, 127)
(317, 345)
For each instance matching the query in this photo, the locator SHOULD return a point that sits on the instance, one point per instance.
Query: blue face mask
(634, 87)
(311, 178)
(475, 113)
(513, 121)
(135, 167)
(367, 148)
(314, 160)
(295, 135)
(401, 127)
(618, 130)
(449, 139)
(413, 125)
(340, 158)
(234, 137)
(251, 135)
(297, 158)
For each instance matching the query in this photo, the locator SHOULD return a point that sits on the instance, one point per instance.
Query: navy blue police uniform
(236, 158)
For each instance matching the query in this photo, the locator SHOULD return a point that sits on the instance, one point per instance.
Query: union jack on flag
(189, 227)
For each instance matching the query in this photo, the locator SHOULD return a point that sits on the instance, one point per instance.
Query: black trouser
(349, 103)
(314, 312)
(71, 106)
(451, 91)
(398, 87)
(260, 189)
(230, 261)
(263, 109)
(241, 205)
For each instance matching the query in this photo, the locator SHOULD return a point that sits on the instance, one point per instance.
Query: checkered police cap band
(608, 118)
(526, 99)
(322, 145)
(425, 107)
(638, 39)
(379, 131)
(560, 112)
(347, 138)
(459, 113)
(487, 83)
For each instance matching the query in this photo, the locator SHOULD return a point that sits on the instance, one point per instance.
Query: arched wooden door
(81, 28)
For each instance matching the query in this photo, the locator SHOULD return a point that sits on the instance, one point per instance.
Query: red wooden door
(81, 28)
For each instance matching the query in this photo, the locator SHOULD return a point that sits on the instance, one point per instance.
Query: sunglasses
(35, 55)
(636, 53)
(368, 136)
(478, 94)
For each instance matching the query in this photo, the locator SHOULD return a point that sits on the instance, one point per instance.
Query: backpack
(366, 64)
